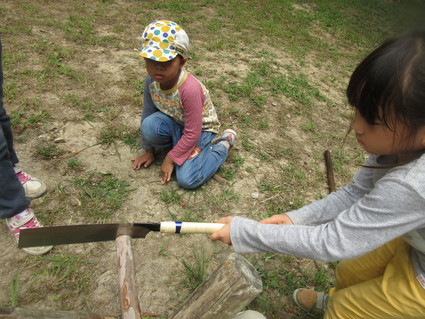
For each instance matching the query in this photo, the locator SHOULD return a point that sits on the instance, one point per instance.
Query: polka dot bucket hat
(163, 40)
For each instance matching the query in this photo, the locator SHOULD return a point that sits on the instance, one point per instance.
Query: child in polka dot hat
(178, 114)
(163, 40)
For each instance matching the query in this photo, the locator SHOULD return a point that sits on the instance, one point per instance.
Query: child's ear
(183, 62)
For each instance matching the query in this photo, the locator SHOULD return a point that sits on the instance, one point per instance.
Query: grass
(196, 271)
(47, 151)
(59, 271)
(172, 196)
(285, 269)
(14, 287)
(73, 163)
(163, 251)
(276, 70)
(100, 195)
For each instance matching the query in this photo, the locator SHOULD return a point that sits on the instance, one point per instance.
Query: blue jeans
(12, 194)
(160, 130)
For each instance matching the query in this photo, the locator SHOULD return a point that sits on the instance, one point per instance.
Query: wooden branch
(225, 293)
(285, 315)
(219, 179)
(23, 313)
(329, 171)
(128, 297)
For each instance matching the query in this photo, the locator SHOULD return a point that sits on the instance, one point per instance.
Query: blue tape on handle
(178, 227)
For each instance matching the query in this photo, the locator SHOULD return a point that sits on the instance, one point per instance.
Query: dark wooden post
(329, 171)
(225, 293)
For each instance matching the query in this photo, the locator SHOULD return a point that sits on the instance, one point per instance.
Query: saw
(87, 233)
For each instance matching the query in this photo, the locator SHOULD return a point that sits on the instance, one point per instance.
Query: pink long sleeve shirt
(190, 105)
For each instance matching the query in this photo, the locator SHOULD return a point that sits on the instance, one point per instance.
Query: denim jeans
(162, 131)
(12, 194)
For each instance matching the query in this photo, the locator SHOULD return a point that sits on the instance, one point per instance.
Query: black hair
(388, 86)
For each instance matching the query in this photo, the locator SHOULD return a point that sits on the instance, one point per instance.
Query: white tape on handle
(189, 228)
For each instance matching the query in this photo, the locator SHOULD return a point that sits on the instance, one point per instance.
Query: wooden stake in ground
(225, 293)
(128, 296)
(329, 171)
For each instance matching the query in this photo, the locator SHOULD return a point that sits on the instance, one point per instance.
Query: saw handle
(189, 228)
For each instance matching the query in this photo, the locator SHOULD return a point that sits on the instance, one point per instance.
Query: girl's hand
(146, 159)
(280, 219)
(166, 169)
(223, 234)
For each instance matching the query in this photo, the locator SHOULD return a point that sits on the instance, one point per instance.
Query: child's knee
(347, 274)
(187, 182)
(148, 128)
(187, 177)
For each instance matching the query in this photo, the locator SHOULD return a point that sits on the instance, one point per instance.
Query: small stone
(255, 195)
(59, 140)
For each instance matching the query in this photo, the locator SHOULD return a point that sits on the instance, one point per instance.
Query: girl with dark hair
(374, 226)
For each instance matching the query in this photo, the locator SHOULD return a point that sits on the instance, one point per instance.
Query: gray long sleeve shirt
(379, 205)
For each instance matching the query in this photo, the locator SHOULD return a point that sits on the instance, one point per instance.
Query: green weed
(163, 250)
(73, 163)
(86, 106)
(48, 152)
(196, 271)
(227, 172)
(109, 135)
(171, 196)
(98, 195)
(14, 287)
(132, 139)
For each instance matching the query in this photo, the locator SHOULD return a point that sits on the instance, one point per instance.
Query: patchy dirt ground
(158, 276)
(279, 154)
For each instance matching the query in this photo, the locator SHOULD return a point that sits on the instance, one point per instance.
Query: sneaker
(18, 222)
(228, 136)
(33, 186)
(308, 299)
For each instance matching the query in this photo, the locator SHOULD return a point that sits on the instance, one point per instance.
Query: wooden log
(128, 297)
(226, 292)
(26, 313)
